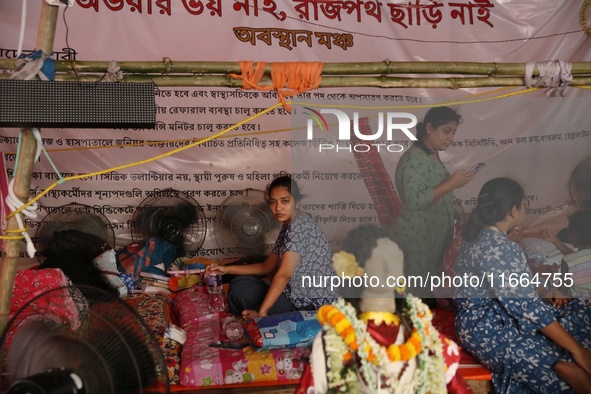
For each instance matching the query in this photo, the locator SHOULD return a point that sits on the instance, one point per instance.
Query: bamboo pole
(327, 82)
(23, 175)
(385, 67)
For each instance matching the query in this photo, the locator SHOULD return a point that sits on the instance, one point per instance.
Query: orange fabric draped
(289, 78)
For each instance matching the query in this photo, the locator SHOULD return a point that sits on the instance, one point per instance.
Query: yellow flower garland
(407, 351)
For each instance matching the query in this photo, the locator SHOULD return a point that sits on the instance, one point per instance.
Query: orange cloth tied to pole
(289, 79)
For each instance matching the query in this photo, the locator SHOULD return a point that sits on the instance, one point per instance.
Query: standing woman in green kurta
(426, 220)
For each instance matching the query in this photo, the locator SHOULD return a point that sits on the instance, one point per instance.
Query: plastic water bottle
(213, 282)
(214, 288)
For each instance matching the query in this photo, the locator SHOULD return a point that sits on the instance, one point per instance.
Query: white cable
(21, 38)
(14, 203)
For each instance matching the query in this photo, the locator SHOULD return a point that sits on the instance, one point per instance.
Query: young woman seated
(529, 345)
(301, 251)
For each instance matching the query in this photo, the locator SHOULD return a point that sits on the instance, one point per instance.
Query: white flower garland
(429, 374)
(431, 368)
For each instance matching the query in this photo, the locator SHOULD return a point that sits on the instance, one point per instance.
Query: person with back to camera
(529, 345)
(577, 263)
(426, 220)
(301, 249)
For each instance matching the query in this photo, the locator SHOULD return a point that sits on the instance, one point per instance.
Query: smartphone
(476, 168)
(229, 344)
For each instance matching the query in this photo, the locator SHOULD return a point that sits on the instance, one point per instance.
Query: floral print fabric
(305, 238)
(500, 325)
(425, 227)
(202, 365)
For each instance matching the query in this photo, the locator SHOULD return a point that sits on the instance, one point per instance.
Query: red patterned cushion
(157, 312)
(444, 322)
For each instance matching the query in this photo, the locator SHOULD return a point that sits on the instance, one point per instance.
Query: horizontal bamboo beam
(382, 68)
(327, 82)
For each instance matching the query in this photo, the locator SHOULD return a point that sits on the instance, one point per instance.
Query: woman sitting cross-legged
(529, 345)
(301, 251)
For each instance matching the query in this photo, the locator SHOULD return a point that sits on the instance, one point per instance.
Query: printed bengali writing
(409, 14)
(76, 208)
(140, 6)
(413, 13)
(205, 176)
(289, 39)
(319, 219)
(239, 94)
(65, 54)
(93, 142)
(102, 209)
(474, 201)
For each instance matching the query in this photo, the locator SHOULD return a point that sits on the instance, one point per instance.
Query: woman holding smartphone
(426, 220)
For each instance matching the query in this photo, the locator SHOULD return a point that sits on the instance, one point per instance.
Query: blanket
(202, 365)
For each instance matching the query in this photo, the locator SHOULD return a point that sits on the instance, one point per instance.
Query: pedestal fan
(171, 215)
(73, 216)
(103, 347)
(245, 224)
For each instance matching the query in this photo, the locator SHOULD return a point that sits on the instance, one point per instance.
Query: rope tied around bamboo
(289, 78)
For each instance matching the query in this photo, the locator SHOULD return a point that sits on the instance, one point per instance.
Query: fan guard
(171, 215)
(245, 225)
(107, 348)
(74, 216)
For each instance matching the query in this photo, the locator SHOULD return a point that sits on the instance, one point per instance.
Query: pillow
(542, 249)
(284, 330)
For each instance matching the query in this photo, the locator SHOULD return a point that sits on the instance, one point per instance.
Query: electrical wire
(21, 38)
(72, 63)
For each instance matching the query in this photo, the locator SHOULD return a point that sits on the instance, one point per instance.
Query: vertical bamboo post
(23, 175)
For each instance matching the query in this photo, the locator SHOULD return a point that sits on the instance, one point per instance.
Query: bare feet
(249, 314)
(575, 376)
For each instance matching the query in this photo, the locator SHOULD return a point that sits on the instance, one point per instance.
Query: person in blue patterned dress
(529, 344)
(301, 250)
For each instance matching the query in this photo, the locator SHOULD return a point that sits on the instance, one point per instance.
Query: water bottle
(213, 282)
(232, 328)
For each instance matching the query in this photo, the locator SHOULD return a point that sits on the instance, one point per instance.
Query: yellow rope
(155, 158)
(142, 144)
(218, 135)
(18, 230)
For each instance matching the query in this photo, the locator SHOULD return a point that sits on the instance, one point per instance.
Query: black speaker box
(61, 104)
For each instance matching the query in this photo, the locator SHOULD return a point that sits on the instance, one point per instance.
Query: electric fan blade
(171, 215)
(109, 350)
(249, 227)
(245, 223)
(73, 216)
(37, 348)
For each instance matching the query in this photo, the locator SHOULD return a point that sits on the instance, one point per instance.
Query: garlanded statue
(372, 347)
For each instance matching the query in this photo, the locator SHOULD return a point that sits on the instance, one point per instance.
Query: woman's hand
(251, 314)
(515, 235)
(215, 269)
(557, 298)
(460, 179)
(548, 235)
